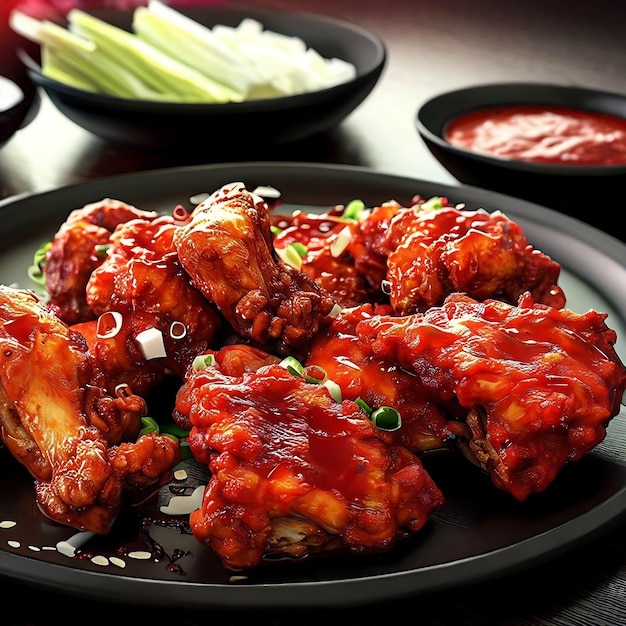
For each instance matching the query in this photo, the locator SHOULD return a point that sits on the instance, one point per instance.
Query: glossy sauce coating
(280, 451)
(542, 134)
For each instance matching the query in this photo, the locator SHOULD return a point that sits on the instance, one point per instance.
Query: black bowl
(17, 108)
(578, 190)
(210, 127)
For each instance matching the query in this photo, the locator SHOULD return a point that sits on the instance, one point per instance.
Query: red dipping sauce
(542, 134)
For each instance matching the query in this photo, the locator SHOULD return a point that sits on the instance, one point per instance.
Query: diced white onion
(265, 191)
(335, 310)
(151, 343)
(183, 505)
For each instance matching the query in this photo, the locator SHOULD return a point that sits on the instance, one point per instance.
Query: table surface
(433, 45)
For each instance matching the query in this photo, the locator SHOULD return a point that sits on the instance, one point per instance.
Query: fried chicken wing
(433, 253)
(539, 384)
(143, 285)
(59, 423)
(227, 252)
(293, 472)
(75, 252)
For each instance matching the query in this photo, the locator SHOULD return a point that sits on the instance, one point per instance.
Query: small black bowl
(214, 127)
(583, 191)
(17, 108)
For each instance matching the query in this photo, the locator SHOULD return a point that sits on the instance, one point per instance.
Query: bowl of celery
(213, 77)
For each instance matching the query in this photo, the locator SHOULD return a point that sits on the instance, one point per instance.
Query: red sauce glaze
(542, 134)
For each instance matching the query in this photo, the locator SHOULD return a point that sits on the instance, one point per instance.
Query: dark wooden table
(433, 45)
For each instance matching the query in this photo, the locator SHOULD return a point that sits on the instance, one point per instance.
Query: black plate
(479, 533)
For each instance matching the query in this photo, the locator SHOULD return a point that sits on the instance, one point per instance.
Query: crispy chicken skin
(539, 384)
(294, 472)
(74, 254)
(227, 252)
(60, 423)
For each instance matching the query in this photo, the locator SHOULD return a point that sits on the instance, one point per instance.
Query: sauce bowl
(576, 189)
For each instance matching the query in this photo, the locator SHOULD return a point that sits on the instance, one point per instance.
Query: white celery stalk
(155, 68)
(55, 66)
(25, 25)
(191, 43)
(73, 60)
(88, 59)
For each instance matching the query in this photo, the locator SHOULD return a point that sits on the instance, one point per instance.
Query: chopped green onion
(333, 389)
(292, 365)
(276, 230)
(436, 202)
(386, 418)
(354, 210)
(341, 242)
(364, 405)
(290, 256)
(102, 250)
(35, 271)
(300, 248)
(315, 374)
(149, 425)
(293, 254)
(335, 310)
(109, 324)
(202, 361)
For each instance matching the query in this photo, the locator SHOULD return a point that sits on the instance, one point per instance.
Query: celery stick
(198, 32)
(191, 43)
(25, 25)
(154, 67)
(56, 67)
(87, 58)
